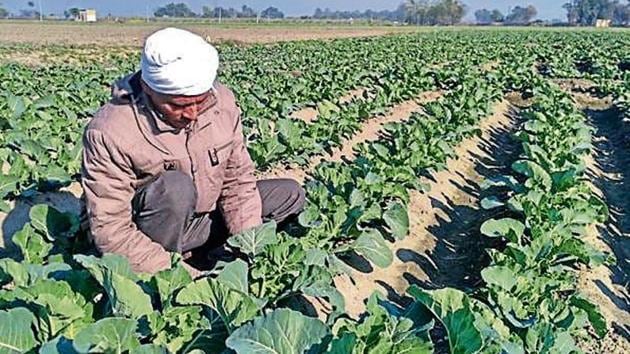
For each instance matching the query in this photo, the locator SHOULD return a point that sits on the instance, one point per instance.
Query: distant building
(86, 15)
(602, 23)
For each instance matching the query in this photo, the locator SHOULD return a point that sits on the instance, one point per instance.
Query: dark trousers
(165, 211)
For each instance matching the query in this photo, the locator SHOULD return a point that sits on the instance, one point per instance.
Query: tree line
(587, 12)
(579, 13)
(418, 12)
(182, 10)
(520, 15)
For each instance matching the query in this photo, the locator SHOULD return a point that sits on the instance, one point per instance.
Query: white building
(87, 15)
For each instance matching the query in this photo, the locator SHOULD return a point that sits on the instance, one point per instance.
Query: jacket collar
(162, 126)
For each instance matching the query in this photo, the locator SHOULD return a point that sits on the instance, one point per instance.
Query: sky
(547, 9)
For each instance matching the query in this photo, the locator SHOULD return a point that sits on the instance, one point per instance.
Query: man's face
(180, 111)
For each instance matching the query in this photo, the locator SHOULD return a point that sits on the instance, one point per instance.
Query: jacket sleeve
(107, 181)
(240, 201)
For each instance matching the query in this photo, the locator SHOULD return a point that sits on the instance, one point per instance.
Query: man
(165, 167)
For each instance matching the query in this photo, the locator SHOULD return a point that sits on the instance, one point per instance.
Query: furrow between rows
(443, 221)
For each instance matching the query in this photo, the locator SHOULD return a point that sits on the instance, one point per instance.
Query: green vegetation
(56, 296)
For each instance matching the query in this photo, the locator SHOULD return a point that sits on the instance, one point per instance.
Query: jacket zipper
(190, 159)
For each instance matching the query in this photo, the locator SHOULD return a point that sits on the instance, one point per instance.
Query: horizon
(121, 8)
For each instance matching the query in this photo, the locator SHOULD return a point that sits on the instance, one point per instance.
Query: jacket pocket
(218, 156)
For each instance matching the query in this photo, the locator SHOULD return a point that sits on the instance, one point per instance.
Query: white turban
(178, 62)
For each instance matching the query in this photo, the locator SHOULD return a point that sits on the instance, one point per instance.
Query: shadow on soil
(15, 220)
(459, 253)
(612, 155)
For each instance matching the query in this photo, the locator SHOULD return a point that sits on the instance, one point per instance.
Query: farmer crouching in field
(165, 167)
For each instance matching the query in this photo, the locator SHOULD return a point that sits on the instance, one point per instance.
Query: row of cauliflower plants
(244, 304)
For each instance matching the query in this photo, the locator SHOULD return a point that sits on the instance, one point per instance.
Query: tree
(447, 12)
(443, 12)
(246, 12)
(572, 13)
(497, 16)
(483, 16)
(72, 12)
(272, 12)
(587, 12)
(3, 12)
(417, 11)
(621, 14)
(521, 15)
(174, 10)
(31, 12)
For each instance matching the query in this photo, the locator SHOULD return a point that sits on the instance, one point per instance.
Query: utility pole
(41, 15)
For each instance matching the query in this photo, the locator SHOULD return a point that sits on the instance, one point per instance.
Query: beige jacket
(126, 145)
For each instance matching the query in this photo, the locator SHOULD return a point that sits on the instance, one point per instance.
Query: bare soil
(112, 34)
(444, 246)
(609, 170)
(607, 285)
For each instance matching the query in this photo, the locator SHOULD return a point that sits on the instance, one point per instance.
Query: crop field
(467, 192)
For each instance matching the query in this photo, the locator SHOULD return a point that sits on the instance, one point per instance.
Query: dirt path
(443, 248)
(370, 131)
(609, 169)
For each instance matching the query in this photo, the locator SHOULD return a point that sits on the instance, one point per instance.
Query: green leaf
(282, 331)
(113, 262)
(17, 106)
(452, 308)
(491, 203)
(233, 307)
(109, 335)
(149, 349)
(500, 276)
(315, 256)
(564, 344)
(52, 223)
(11, 270)
(16, 333)
(373, 246)
(397, 219)
(169, 281)
(32, 245)
(509, 228)
(114, 273)
(234, 275)
(8, 184)
(343, 345)
(126, 297)
(59, 345)
(595, 317)
(254, 240)
(44, 102)
(534, 171)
